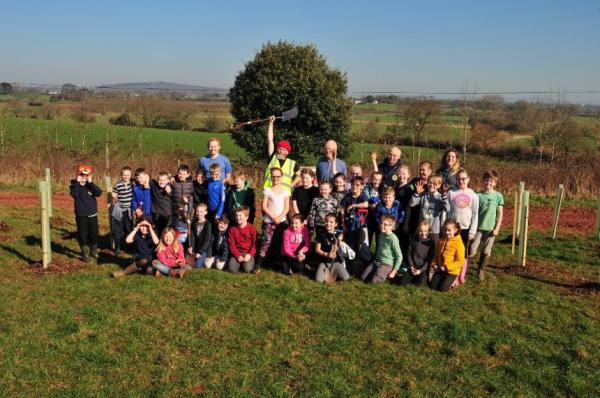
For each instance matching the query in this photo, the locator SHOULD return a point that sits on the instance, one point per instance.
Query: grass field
(533, 332)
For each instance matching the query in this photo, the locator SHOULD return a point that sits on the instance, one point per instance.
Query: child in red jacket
(242, 242)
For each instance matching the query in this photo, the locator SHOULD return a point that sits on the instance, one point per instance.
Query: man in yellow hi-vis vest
(278, 157)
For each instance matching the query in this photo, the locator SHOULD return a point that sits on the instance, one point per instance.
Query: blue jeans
(200, 260)
(160, 267)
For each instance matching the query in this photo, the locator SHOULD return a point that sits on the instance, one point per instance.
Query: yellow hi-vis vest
(288, 173)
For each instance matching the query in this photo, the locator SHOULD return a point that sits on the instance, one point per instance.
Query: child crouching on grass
(332, 266)
(296, 243)
(242, 242)
(420, 253)
(145, 240)
(448, 258)
(218, 252)
(170, 257)
(388, 257)
(84, 193)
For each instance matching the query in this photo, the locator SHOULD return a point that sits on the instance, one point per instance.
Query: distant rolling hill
(162, 86)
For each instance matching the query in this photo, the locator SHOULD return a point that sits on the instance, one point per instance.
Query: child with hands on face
(145, 240)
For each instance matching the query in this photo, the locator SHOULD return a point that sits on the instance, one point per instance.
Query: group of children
(423, 231)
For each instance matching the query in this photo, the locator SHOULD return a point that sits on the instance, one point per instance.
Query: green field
(83, 333)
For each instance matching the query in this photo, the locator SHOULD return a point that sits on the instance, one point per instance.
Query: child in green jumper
(388, 257)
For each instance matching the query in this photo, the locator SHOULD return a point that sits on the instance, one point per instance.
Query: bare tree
(418, 115)
(468, 93)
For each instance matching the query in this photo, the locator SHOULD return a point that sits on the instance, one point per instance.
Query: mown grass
(220, 334)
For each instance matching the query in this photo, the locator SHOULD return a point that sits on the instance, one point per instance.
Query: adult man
(278, 157)
(204, 163)
(389, 167)
(329, 165)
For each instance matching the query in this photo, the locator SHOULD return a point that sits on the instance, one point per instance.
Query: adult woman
(449, 166)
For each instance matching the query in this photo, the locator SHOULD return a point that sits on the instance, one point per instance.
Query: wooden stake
(520, 213)
(523, 228)
(560, 193)
(45, 225)
(515, 223)
(109, 201)
(598, 220)
(49, 189)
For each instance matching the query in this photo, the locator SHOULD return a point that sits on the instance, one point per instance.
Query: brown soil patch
(4, 227)
(572, 219)
(61, 200)
(59, 266)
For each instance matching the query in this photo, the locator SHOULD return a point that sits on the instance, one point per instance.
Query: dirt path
(572, 219)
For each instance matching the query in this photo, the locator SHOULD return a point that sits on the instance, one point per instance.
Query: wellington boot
(483, 260)
(94, 252)
(85, 253)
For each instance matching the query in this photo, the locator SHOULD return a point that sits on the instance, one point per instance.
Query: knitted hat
(284, 144)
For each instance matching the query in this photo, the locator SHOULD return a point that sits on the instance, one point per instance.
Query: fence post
(520, 212)
(560, 193)
(524, 227)
(109, 202)
(515, 231)
(598, 220)
(49, 188)
(45, 224)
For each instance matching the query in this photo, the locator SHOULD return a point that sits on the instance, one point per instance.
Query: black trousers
(407, 278)
(161, 222)
(441, 281)
(87, 230)
(293, 265)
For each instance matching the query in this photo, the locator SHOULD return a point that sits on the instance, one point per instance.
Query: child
(240, 194)
(182, 191)
(331, 266)
(275, 207)
(431, 204)
(304, 195)
(389, 206)
(373, 187)
(388, 257)
(464, 208)
(145, 240)
(182, 227)
(121, 215)
(448, 258)
(136, 175)
(141, 200)
(201, 236)
(404, 191)
(420, 254)
(84, 192)
(218, 252)
(419, 185)
(355, 209)
(296, 243)
(339, 187)
(242, 242)
(216, 193)
(322, 206)
(200, 188)
(162, 203)
(491, 210)
(170, 257)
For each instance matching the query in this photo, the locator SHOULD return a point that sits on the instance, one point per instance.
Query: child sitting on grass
(144, 240)
(296, 244)
(121, 215)
(218, 252)
(84, 192)
(170, 257)
(448, 258)
(331, 266)
(420, 253)
(242, 242)
(201, 236)
(388, 257)
(491, 210)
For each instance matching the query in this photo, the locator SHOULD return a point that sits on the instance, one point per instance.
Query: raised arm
(270, 143)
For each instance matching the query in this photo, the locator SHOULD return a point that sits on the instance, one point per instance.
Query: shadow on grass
(533, 274)
(12, 250)
(56, 247)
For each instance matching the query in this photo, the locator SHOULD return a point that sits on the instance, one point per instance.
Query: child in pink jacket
(296, 243)
(170, 257)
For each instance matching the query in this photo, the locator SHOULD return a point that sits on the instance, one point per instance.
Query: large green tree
(283, 75)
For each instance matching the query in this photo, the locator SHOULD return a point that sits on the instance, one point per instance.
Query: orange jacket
(450, 253)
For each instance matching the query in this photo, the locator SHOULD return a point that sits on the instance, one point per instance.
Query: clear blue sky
(382, 45)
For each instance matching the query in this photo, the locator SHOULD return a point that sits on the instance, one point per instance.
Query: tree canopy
(283, 75)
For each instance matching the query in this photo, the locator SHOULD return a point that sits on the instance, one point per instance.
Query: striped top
(124, 192)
